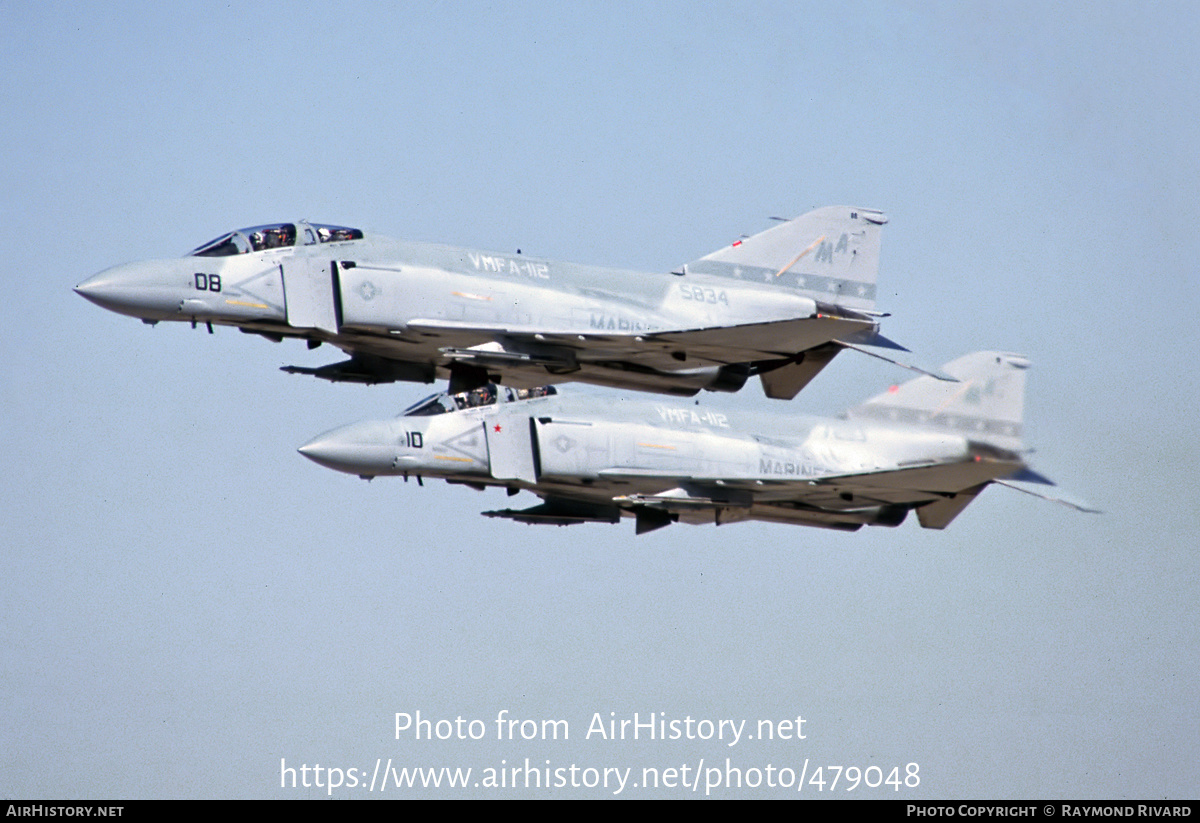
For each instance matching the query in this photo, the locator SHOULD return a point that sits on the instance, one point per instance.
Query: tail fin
(831, 255)
(987, 405)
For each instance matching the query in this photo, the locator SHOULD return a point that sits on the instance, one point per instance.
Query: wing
(937, 492)
(720, 345)
(786, 354)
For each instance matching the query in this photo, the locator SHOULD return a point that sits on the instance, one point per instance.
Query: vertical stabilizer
(831, 255)
(987, 405)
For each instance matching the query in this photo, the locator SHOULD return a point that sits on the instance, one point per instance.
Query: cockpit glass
(273, 236)
(335, 234)
(224, 246)
(483, 396)
(433, 404)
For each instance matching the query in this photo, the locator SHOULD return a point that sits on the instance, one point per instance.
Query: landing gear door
(510, 447)
(311, 289)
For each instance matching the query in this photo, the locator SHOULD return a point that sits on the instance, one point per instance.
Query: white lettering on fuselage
(604, 322)
(507, 265)
(698, 417)
(786, 468)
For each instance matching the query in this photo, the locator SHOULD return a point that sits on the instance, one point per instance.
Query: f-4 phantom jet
(926, 446)
(780, 305)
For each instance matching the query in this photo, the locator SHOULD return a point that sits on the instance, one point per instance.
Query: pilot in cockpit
(280, 236)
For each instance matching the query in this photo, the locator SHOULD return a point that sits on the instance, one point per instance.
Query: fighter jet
(780, 305)
(927, 446)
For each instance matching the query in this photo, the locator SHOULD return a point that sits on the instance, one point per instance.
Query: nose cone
(151, 290)
(360, 448)
(104, 290)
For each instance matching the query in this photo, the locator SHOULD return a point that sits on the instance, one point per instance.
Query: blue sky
(188, 601)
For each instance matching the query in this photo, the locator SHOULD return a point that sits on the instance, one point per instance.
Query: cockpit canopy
(274, 236)
(442, 402)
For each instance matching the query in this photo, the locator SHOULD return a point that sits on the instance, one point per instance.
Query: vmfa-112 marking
(926, 446)
(780, 305)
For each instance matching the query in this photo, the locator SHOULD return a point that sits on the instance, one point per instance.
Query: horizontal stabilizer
(870, 349)
(1062, 499)
(1028, 475)
(877, 341)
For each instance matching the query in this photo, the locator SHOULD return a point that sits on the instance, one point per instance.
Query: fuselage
(383, 283)
(426, 309)
(579, 438)
(634, 449)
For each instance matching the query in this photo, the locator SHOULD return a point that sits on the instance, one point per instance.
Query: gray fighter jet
(780, 304)
(927, 445)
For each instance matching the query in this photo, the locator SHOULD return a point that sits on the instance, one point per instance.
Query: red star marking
(497, 427)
